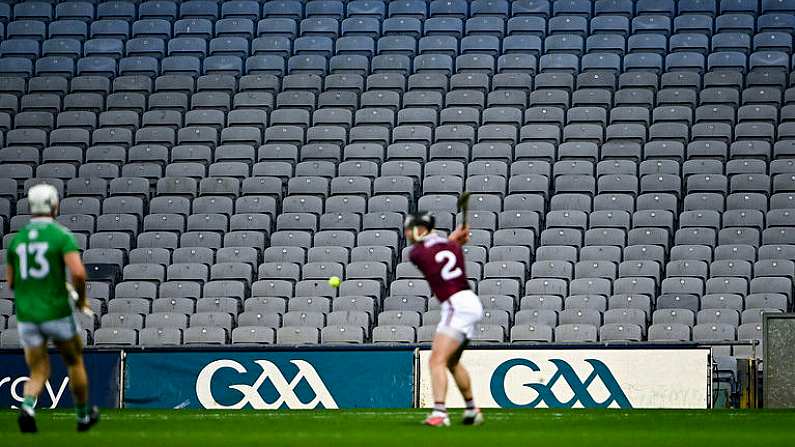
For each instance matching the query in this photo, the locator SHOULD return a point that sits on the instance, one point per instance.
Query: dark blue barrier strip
(269, 380)
(104, 374)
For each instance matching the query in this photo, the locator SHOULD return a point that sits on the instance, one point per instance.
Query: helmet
(42, 199)
(422, 218)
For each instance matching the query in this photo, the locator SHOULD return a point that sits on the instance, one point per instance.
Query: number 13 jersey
(36, 254)
(442, 263)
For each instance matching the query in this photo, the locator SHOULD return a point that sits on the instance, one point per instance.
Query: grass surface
(546, 428)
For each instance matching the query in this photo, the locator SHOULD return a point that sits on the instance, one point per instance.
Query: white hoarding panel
(580, 378)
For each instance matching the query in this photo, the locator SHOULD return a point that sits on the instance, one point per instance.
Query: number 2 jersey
(36, 254)
(442, 262)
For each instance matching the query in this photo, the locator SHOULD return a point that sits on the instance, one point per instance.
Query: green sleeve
(69, 243)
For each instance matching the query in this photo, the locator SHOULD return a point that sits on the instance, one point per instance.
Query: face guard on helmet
(418, 225)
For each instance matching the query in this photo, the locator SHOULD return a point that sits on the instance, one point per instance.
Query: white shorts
(460, 314)
(32, 335)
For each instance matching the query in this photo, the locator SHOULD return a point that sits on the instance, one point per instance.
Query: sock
(470, 404)
(82, 410)
(29, 405)
(439, 407)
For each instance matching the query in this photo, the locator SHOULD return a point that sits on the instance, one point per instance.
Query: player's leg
(472, 414)
(460, 374)
(36, 357)
(72, 353)
(444, 347)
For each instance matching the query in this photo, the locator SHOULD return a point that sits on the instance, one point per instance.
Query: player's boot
(437, 419)
(90, 421)
(27, 422)
(473, 417)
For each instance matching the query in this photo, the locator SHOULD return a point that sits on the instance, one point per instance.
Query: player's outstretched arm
(78, 272)
(460, 235)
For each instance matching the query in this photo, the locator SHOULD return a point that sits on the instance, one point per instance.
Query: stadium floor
(381, 428)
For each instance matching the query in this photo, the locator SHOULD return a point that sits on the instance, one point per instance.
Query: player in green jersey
(38, 259)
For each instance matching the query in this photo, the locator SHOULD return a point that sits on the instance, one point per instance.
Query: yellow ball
(334, 281)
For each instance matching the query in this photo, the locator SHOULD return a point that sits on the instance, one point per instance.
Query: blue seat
(283, 9)
(776, 22)
(601, 62)
(158, 9)
(197, 28)
(693, 23)
(325, 8)
(308, 45)
(689, 42)
(229, 46)
(187, 46)
(402, 26)
(522, 44)
(309, 64)
(82, 11)
(777, 7)
(652, 24)
(689, 61)
(199, 9)
(152, 47)
(614, 7)
(16, 66)
(113, 48)
(33, 11)
(54, 66)
(656, 7)
(361, 26)
(70, 48)
(449, 8)
(361, 45)
(743, 23)
(181, 65)
(643, 62)
(110, 29)
(26, 29)
(320, 27)
(416, 9)
(68, 29)
(139, 66)
(229, 65)
(241, 9)
(769, 60)
(490, 7)
(152, 28)
(568, 25)
(572, 7)
(485, 25)
(540, 8)
(739, 6)
(116, 10)
(401, 45)
(26, 48)
(366, 8)
(275, 45)
(277, 27)
(610, 24)
(235, 27)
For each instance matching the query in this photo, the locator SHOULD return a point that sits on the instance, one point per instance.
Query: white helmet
(42, 199)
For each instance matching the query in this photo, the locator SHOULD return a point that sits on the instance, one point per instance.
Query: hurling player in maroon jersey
(441, 261)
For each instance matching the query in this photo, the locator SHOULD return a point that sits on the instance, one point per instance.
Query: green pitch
(381, 428)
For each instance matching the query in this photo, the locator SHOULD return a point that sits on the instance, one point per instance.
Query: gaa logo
(570, 379)
(285, 390)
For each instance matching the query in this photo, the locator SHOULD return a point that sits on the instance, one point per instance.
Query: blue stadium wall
(532, 376)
